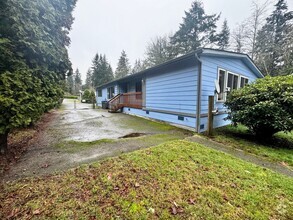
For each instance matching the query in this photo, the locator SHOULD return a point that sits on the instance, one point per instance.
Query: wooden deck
(131, 100)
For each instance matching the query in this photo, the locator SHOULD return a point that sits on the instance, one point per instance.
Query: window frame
(100, 93)
(238, 81)
(244, 77)
(227, 72)
(225, 78)
(110, 93)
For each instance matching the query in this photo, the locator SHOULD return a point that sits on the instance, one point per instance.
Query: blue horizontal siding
(170, 118)
(103, 98)
(218, 122)
(210, 66)
(173, 91)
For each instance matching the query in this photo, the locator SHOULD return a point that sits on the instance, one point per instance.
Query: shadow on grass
(279, 140)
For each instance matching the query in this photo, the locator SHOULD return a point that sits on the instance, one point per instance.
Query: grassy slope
(279, 150)
(177, 179)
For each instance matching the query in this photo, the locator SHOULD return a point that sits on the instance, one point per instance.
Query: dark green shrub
(265, 106)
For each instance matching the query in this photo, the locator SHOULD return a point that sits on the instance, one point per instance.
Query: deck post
(210, 116)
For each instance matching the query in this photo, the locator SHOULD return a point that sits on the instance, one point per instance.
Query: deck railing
(132, 100)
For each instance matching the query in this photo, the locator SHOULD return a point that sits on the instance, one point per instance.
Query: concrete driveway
(78, 134)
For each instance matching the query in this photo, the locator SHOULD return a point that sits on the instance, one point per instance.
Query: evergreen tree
(224, 36)
(33, 60)
(70, 84)
(271, 40)
(123, 68)
(77, 82)
(197, 30)
(159, 51)
(89, 80)
(101, 70)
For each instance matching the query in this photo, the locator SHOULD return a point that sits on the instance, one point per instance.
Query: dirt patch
(132, 135)
(19, 141)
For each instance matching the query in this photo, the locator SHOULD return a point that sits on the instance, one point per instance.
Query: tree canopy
(275, 40)
(33, 59)
(123, 67)
(101, 70)
(197, 30)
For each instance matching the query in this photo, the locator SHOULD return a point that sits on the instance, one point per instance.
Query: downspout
(198, 107)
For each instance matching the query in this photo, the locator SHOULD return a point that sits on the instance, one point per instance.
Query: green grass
(148, 140)
(139, 123)
(76, 146)
(70, 97)
(175, 180)
(279, 149)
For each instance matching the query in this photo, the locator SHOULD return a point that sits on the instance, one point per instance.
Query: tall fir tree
(89, 79)
(197, 30)
(123, 68)
(224, 36)
(70, 84)
(101, 70)
(271, 40)
(77, 82)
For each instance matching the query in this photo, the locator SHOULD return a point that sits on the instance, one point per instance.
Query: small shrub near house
(265, 106)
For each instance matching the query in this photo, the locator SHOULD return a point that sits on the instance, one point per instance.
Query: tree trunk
(3, 143)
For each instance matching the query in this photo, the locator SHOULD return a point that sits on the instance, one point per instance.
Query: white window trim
(225, 83)
(244, 77)
(238, 81)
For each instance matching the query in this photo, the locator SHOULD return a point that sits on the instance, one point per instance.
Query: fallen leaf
(175, 204)
(36, 212)
(284, 164)
(109, 176)
(174, 210)
(151, 210)
(191, 201)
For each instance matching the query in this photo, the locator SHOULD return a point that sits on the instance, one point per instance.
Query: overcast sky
(109, 26)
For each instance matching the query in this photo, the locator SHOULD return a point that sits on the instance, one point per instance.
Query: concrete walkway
(242, 155)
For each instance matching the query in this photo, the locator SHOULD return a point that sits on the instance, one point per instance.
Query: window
(228, 81)
(99, 93)
(243, 81)
(221, 80)
(110, 92)
(138, 86)
(232, 82)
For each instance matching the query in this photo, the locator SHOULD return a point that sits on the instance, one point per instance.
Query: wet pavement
(78, 123)
(75, 124)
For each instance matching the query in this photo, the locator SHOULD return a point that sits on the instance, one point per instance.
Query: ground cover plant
(175, 180)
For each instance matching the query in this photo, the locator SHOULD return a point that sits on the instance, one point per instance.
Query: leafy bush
(88, 95)
(265, 106)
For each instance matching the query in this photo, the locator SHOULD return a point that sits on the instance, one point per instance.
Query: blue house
(177, 91)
